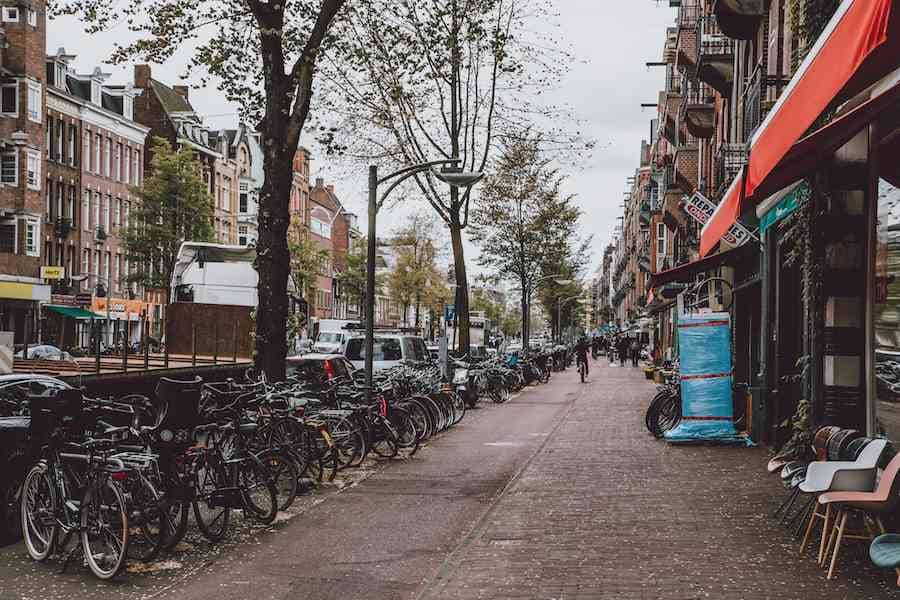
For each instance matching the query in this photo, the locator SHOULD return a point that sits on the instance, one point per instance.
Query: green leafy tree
(352, 278)
(263, 55)
(417, 247)
(306, 262)
(526, 229)
(174, 206)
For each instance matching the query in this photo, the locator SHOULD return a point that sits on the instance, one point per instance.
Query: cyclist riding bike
(581, 354)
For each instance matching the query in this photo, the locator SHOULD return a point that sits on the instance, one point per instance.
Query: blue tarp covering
(704, 343)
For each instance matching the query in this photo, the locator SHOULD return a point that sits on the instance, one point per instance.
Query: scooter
(464, 383)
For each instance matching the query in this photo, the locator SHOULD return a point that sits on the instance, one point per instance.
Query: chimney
(142, 76)
(330, 187)
(320, 183)
(181, 90)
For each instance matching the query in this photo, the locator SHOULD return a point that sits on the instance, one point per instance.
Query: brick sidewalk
(604, 511)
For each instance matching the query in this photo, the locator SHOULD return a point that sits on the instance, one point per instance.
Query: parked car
(318, 368)
(389, 350)
(15, 454)
(44, 352)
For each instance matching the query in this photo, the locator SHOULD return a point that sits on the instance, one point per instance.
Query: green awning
(73, 312)
(785, 207)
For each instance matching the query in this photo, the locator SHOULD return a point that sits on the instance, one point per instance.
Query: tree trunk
(525, 323)
(273, 265)
(418, 309)
(462, 292)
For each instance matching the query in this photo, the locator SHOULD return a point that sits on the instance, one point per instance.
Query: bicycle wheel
(38, 512)
(212, 516)
(283, 473)
(257, 489)
(146, 519)
(407, 436)
(385, 444)
(104, 527)
(175, 523)
(348, 441)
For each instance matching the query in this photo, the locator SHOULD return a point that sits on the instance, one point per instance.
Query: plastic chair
(873, 504)
(829, 476)
(885, 552)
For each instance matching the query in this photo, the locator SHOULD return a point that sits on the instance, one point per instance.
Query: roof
(171, 100)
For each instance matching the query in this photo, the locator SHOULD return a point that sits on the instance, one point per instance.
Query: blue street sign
(449, 313)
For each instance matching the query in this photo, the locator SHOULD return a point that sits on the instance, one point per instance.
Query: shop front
(20, 299)
(63, 320)
(118, 318)
(821, 180)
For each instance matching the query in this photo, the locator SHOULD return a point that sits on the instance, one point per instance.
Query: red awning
(846, 57)
(688, 271)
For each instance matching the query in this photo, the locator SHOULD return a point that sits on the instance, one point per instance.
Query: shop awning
(72, 312)
(850, 54)
(688, 271)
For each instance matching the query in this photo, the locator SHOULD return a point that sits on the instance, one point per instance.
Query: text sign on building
(53, 272)
(701, 209)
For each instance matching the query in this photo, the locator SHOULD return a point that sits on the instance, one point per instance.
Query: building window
(117, 213)
(35, 107)
(660, 245)
(95, 92)
(86, 210)
(107, 166)
(98, 199)
(320, 228)
(32, 18)
(127, 165)
(135, 167)
(32, 235)
(119, 271)
(243, 202)
(48, 205)
(9, 167)
(9, 99)
(60, 133)
(34, 170)
(98, 148)
(127, 214)
(119, 161)
(85, 261)
(73, 137)
(48, 137)
(10, 14)
(242, 235)
(106, 209)
(96, 270)
(60, 199)
(72, 208)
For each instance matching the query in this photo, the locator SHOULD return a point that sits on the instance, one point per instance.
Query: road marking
(503, 444)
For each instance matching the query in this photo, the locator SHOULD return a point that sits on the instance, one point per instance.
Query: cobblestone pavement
(604, 511)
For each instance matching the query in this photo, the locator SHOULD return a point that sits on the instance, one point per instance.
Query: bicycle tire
(257, 488)
(146, 520)
(40, 502)
(283, 473)
(213, 521)
(112, 505)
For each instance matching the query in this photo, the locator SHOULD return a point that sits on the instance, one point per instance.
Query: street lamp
(453, 176)
(99, 278)
(559, 304)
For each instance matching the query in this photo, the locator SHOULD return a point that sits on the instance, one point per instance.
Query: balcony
(698, 111)
(99, 234)
(686, 44)
(740, 19)
(62, 226)
(715, 64)
(670, 103)
(686, 168)
(758, 100)
(730, 160)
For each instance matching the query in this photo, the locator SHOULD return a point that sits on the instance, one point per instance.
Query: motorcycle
(464, 383)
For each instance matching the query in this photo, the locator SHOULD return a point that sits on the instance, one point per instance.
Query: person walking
(622, 350)
(635, 352)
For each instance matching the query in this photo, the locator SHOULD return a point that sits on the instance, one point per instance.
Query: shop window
(9, 99)
(8, 237)
(887, 312)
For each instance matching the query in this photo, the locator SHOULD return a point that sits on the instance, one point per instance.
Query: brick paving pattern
(604, 511)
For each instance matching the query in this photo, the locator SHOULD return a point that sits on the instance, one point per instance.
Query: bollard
(193, 343)
(95, 328)
(145, 333)
(164, 332)
(215, 342)
(124, 336)
(234, 342)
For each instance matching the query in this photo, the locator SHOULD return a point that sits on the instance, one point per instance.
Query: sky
(605, 87)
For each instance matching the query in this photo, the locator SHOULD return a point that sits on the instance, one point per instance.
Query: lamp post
(559, 304)
(559, 279)
(452, 176)
(99, 278)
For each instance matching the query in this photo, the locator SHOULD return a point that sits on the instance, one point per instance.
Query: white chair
(844, 476)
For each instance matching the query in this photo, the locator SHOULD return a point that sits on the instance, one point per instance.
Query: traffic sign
(449, 313)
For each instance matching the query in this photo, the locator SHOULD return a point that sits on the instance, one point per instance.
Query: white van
(389, 350)
(332, 335)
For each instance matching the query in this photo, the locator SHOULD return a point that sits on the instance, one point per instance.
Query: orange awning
(848, 56)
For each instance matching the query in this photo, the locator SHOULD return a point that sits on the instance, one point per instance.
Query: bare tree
(438, 79)
(264, 56)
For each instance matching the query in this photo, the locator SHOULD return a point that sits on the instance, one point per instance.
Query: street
(558, 494)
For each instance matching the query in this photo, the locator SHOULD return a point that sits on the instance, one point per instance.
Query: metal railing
(730, 159)
(712, 41)
(755, 98)
(688, 15)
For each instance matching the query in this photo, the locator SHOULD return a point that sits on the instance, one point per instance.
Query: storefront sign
(119, 308)
(53, 272)
(83, 299)
(65, 300)
(15, 290)
(701, 209)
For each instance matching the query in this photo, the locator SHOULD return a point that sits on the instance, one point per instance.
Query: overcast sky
(605, 88)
